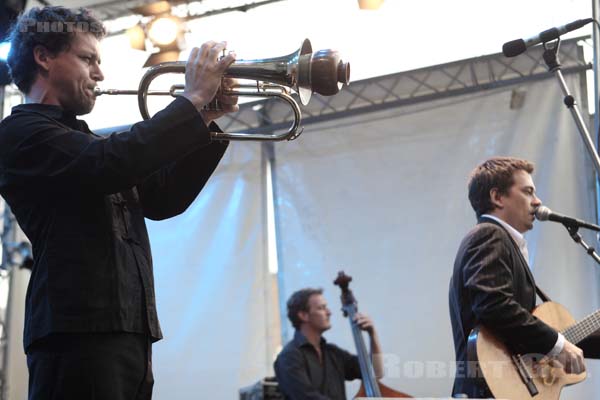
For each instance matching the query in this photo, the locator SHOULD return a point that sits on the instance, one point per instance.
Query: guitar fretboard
(576, 333)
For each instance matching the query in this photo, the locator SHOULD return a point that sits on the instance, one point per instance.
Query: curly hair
(496, 172)
(297, 302)
(51, 27)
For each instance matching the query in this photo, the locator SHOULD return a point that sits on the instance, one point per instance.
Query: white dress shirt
(522, 243)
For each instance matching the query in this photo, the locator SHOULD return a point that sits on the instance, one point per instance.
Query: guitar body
(500, 372)
(385, 392)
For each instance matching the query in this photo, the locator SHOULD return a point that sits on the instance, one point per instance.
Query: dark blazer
(493, 286)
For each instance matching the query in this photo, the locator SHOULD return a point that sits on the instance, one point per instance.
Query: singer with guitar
(309, 367)
(492, 285)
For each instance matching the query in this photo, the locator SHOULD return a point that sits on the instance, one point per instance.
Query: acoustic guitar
(523, 377)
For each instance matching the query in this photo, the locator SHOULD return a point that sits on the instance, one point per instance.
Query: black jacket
(81, 199)
(493, 286)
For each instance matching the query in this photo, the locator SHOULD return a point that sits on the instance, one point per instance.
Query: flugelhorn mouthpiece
(328, 72)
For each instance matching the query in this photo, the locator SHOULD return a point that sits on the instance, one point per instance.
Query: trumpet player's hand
(203, 72)
(227, 103)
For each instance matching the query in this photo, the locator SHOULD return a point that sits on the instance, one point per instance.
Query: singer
(492, 284)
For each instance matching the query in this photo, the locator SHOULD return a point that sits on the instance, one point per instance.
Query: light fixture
(156, 8)
(4, 75)
(137, 37)
(166, 34)
(161, 57)
(369, 4)
(4, 50)
(164, 31)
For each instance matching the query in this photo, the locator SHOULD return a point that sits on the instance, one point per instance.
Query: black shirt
(81, 200)
(301, 376)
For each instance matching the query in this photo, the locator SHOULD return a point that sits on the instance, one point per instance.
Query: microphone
(516, 47)
(543, 213)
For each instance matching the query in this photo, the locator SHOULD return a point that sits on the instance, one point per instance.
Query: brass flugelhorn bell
(303, 71)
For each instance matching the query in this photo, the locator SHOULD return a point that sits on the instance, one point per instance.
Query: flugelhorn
(303, 71)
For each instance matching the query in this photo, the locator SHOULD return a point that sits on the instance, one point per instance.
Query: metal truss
(405, 88)
(187, 10)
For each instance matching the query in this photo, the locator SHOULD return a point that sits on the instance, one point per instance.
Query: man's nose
(97, 74)
(537, 201)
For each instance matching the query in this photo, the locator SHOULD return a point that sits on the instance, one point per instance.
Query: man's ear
(42, 57)
(303, 315)
(497, 198)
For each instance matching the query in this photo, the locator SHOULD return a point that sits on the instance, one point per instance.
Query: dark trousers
(99, 366)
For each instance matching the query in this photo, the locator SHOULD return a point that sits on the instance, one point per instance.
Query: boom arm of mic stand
(574, 232)
(551, 60)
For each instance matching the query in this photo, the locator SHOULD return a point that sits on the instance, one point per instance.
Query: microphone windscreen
(578, 24)
(543, 213)
(514, 48)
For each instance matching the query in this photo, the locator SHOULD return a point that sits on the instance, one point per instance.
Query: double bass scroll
(370, 386)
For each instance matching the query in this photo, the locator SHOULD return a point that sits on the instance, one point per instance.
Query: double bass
(370, 386)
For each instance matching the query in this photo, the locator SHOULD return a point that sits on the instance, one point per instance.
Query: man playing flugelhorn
(81, 199)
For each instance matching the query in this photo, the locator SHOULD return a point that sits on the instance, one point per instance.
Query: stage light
(369, 4)
(152, 9)
(161, 57)
(137, 37)
(4, 75)
(4, 50)
(164, 31)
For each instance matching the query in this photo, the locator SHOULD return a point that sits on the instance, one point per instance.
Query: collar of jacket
(482, 220)
(52, 111)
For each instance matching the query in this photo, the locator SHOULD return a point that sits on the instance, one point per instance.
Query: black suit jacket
(492, 285)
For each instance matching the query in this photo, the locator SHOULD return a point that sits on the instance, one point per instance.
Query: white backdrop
(210, 272)
(383, 196)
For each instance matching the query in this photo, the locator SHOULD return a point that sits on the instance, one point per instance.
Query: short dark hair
(297, 302)
(51, 27)
(496, 172)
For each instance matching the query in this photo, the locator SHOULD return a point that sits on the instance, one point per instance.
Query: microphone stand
(551, 58)
(574, 232)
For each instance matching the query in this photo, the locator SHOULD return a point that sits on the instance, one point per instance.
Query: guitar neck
(582, 329)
